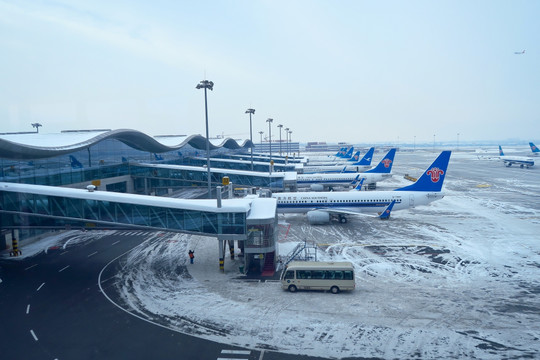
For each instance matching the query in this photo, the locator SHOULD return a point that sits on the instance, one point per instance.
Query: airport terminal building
(127, 179)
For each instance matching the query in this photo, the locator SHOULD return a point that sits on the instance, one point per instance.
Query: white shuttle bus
(313, 275)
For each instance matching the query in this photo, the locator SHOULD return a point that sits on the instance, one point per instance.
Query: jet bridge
(250, 221)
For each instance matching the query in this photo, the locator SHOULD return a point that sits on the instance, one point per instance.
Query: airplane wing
(383, 215)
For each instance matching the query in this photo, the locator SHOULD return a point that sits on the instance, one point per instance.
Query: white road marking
(34, 335)
(28, 309)
(64, 252)
(237, 352)
(116, 242)
(92, 254)
(262, 355)
(62, 269)
(40, 286)
(28, 268)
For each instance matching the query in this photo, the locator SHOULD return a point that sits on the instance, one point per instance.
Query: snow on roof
(37, 146)
(51, 140)
(208, 205)
(215, 170)
(262, 208)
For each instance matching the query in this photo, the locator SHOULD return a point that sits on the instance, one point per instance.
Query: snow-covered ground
(458, 278)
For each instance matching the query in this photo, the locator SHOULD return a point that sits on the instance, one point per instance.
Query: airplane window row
(337, 201)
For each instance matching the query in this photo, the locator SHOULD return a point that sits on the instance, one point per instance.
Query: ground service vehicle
(314, 275)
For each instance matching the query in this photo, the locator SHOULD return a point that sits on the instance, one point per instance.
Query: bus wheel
(334, 289)
(292, 288)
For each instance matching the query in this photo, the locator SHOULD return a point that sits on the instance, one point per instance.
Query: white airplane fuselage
(353, 202)
(343, 179)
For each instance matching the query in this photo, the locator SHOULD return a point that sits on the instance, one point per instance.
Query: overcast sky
(357, 71)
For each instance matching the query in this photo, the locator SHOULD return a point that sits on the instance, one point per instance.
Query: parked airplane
(321, 207)
(337, 168)
(534, 149)
(518, 160)
(321, 182)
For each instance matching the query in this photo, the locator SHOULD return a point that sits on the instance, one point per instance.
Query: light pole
(457, 146)
(261, 132)
(414, 148)
(290, 138)
(206, 84)
(433, 142)
(287, 139)
(36, 125)
(251, 111)
(269, 121)
(280, 126)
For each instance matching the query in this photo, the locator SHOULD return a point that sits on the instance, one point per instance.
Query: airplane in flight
(322, 181)
(321, 207)
(519, 52)
(358, 166)
(534, 149)
(515, 160)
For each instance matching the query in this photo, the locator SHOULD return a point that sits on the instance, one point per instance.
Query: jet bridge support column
(231, 248)
(222, 244)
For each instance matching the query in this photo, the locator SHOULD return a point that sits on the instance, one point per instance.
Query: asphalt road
(53, 308)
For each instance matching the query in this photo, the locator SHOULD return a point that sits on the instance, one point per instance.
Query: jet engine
(318, 217)
(317, 187)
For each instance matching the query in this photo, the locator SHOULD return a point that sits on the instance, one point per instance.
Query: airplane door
(411, 200)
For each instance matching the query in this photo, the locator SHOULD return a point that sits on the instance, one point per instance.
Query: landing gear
(342, 219)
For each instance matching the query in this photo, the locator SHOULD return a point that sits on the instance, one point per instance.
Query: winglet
(432, 179)
(355, 179)
(359, 185)
(385, 165)
(386, 213)
(366, 160)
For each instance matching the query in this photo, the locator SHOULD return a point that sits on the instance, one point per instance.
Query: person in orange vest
(191, 255)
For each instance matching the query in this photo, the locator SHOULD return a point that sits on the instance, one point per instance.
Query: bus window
(289, 274)
(348, 275)
(318, 274)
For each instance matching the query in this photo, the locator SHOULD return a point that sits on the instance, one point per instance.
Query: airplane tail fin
(534, 148)
(75, 164)
(355, 157)
(349, 153)
(500, 151)
(385, 165)
(366, 160)
(432, 179)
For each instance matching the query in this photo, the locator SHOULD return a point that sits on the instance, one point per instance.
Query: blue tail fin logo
(432, 179)
(385, 165)
(534, 148)
(500, 151)
(366, 160)
(75, 164)
(355, 157)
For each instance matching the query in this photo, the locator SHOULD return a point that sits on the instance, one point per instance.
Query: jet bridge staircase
(304, 251)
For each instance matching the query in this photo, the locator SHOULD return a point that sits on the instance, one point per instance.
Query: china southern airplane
(321, 182)
(358, 166)
(517, 160)
(534, 149)
(321, 207)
